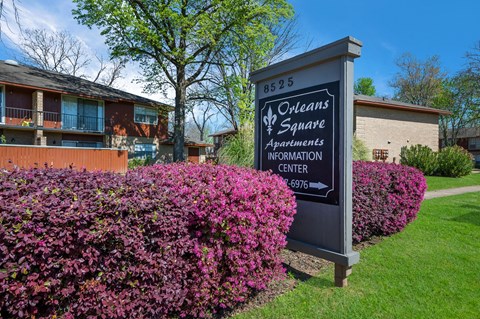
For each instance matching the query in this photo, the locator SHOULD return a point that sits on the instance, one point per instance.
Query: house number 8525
(278, 85)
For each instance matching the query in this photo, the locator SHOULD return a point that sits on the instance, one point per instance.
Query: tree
(176, 40)
(228, 86)
(418, 82)
(201, 116)
(364, 86)
(61, 52)
(460, 96)
(473, 58)
(3, 15)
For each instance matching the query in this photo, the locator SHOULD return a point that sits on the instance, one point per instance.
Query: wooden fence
(63, 157)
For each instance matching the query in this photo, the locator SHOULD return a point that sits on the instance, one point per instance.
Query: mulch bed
(300, 267)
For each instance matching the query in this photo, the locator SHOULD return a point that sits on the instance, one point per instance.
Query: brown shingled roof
(31, 77)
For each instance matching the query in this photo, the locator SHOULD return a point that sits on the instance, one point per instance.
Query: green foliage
(454, 161)
(229, 87)
(239, 148)
(3, 139)
(421, 157)
(449, 162)
(460, 96)
(364, 86)
(177, 41)
(360, 150)
(137, 162)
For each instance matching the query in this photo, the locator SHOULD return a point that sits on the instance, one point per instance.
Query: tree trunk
(179, 127)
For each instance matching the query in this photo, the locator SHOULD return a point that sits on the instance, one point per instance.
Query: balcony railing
(50, 120)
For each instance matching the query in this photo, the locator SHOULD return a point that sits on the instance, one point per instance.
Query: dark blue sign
(299, 134)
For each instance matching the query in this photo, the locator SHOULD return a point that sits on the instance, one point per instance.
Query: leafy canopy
(177, 32)
(365, 86)
(177, 41)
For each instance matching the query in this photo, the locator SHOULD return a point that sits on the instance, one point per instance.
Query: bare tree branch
(15, 13)
(61, 52)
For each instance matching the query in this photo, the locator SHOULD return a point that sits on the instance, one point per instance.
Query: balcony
(27, 118)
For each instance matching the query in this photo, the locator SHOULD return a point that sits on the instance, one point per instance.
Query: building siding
(121, 115)
(391, 129)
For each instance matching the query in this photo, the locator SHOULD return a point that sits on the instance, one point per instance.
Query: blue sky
(386, 28)
(389, 28)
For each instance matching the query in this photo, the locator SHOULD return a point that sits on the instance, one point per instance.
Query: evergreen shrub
(421, 157)
(454, 161)
(451, 161)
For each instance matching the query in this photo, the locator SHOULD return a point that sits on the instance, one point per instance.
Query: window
(82, 144)
(82, 114)
(474, 143)
(145, 115)
(145, 150)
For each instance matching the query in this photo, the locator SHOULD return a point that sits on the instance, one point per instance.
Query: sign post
(304, 132)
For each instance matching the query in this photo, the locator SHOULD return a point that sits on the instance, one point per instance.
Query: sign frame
(320, 229)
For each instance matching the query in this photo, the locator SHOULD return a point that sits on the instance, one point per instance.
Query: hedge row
(172, 240)
(386, 197)
(176, 240)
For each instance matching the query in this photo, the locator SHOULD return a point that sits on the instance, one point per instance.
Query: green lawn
(430, 270)
(436, 182)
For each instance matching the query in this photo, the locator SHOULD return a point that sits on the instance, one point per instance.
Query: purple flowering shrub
(174, 240)
(79, 244)
(238, 218)
(386, 197)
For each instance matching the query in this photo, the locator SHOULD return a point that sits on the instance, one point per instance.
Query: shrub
(78, 245)
(385, 198)
(238, 218)
(137, 162)
(454, 161)
(421, 157)
(172, 240)
(449, 162)
(239, 149)
(360, 150)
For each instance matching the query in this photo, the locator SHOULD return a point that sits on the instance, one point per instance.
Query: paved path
(452, 191)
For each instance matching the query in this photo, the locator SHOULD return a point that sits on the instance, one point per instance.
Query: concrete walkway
(452, 191)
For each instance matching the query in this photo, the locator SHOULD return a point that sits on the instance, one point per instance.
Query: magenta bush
(176, 240)
(386, 197)
(238, 218)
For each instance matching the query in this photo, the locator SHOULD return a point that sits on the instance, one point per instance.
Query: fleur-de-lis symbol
(269, 120)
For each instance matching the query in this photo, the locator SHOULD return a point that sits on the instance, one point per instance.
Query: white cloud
(390, 48)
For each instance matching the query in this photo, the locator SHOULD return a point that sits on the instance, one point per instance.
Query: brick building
(386, 125)
(39, 107)
(469, 139)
